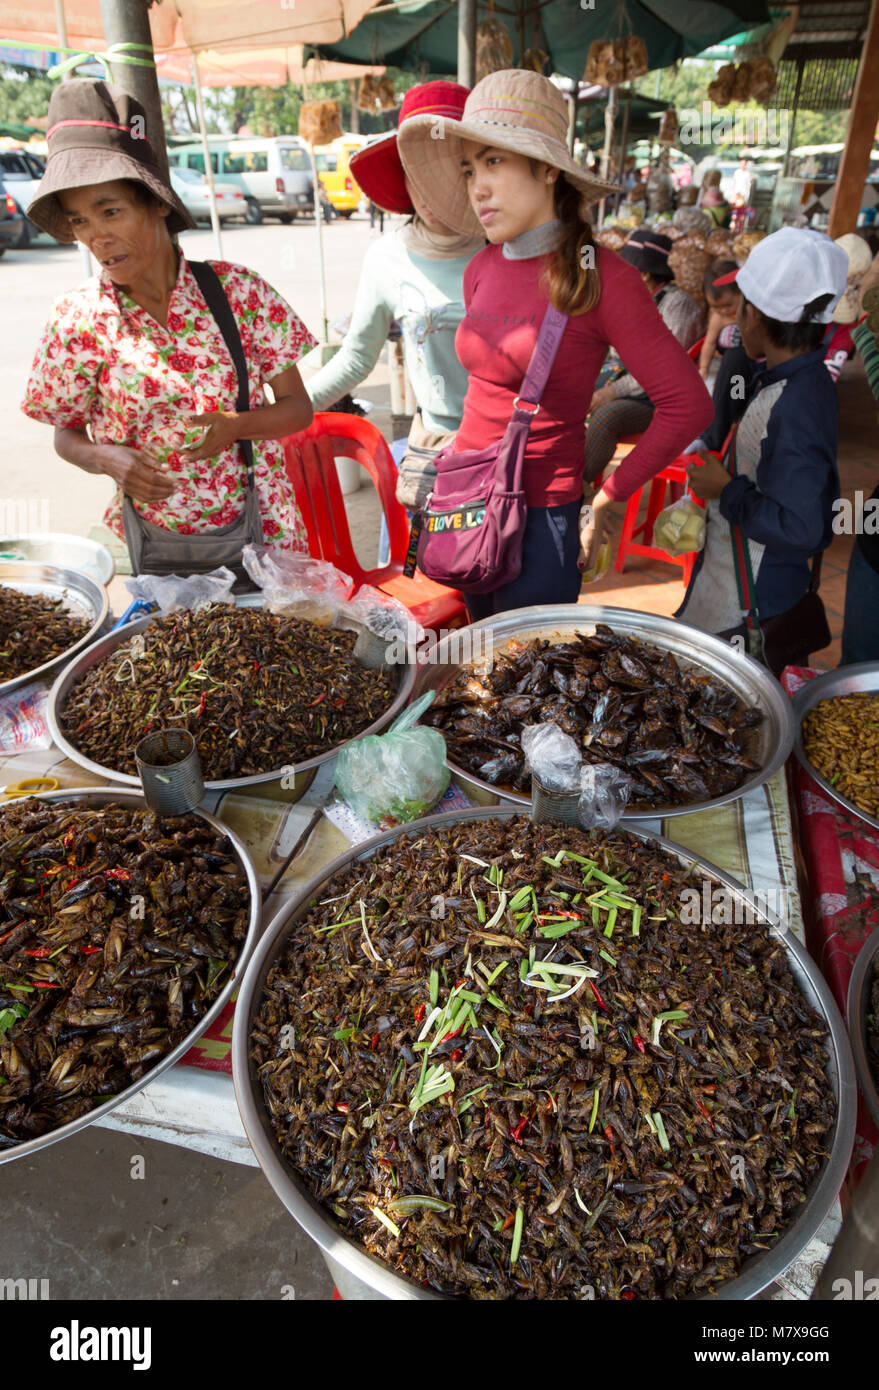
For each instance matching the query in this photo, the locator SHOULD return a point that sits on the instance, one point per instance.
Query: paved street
(193, 1227)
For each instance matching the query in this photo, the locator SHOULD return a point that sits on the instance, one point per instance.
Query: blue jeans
(550, 573)
(398, 449)
(860, 633)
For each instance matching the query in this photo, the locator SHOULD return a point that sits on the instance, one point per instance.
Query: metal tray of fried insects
(758, 1271)
(770, 743)
(862, 679)
(134, 800)
(82, 596)
(99, 651)
(856, 1010)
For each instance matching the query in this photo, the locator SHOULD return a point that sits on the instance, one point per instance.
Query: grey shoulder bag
(154, 550)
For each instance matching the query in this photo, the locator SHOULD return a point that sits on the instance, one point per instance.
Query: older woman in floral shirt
(132, 358)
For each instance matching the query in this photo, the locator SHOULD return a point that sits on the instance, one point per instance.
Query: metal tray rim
(320, 1227)
(551, 618)
(855, 1011)
(95, 595)
(99, 796)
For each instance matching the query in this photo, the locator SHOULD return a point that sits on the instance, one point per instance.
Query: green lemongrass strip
(379, 960)
(520, 898)
(498, 915)
(468, 968)
(535, 906)
(524, 967)
(497, 1003)
(556, 916)
(580, 1203)
(608, 957)
(518, 1225)
(498, 970)
(596, 921)
(495, 1045)
(606, 878)
(556, 862)
(636, 920)
(553, 933)
(467, 1101)
(665, 1018)
(397, 1069)
(491, 876)
(480, 906)
(434, 986)
(594, 1110)
(553, 967)
(483, 970)
(525, 923)
(576, 898)
(407, 1206)
(579, 858)
(611, 921)
(660, 1132)
(792, 1108)
(557, 998)
(386, 1221)
(470, 995)
(471, 859)
(595, 1215)
(616, 900)
(649, 1118)
(415, 1098)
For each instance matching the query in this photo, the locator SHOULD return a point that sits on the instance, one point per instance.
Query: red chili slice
(40, 953)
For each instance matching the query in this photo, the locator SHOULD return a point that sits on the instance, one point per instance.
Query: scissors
(30, 786)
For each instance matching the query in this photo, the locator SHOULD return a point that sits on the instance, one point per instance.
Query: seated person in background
(715, 205)
(620, 406)
(771, 499)
(723, 298)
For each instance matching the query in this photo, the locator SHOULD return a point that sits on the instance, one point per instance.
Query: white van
(273, 172)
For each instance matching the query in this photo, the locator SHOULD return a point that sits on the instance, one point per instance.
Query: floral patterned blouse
(105, 363)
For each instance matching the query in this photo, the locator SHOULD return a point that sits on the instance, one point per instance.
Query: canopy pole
(610, 112)
(322, 274)
(353, 96)
(127, 21)
(467, 42)
(208, 166)
(801, 63)
(855, 162)
(61, 26)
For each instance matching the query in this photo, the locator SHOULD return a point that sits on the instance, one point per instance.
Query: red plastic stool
(673, 479)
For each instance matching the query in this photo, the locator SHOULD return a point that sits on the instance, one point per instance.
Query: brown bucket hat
(96, 134)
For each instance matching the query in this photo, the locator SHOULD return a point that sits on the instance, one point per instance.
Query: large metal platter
(856, 1010)
(753, 683)
(846, 680)
(757, 1272)
(135, 800)
(107, 645)
(81, 595)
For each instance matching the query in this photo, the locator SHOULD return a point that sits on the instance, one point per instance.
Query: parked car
(194, 192)
(21, 171)
(12, 221)
(333, 170)
(273, 172)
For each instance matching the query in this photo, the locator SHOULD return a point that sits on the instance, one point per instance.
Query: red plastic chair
(309, 458)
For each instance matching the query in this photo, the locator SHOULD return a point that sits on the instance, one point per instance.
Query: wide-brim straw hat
(97, 134)
(509, 110)
(377, 167)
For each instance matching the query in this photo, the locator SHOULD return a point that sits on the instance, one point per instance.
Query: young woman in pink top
(504, 168)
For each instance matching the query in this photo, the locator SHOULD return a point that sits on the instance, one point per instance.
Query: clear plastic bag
(298, 585)
(553, 757)
(387, 617)
(680, 528)
(604, 795)
(175, 591)
(396, 776)
(601, 566)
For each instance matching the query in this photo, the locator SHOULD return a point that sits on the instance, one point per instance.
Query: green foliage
(23, 93)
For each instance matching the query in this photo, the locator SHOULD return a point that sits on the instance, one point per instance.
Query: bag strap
(215, 297)
(548, 340)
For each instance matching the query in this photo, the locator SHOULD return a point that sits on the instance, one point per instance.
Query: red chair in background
(309, 458)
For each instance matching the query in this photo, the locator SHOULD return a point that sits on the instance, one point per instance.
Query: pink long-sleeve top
(505, 306)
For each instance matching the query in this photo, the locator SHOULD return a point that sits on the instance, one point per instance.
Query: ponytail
(571, 279)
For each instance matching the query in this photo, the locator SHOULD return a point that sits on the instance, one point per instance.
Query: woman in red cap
(414, 274)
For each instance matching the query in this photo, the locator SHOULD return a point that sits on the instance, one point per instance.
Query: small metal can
(170, 771)
(548, 805)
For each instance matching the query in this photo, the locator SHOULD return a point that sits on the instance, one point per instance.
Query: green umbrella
(422, 36)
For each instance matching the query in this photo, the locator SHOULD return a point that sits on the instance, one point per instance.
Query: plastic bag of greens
(397, 776)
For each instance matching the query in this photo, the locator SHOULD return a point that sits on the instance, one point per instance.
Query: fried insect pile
(118, 929)
(33, 630)
(500, 1058)
(257, 691)
(680, 735)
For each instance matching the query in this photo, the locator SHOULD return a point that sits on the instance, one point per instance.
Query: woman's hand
(708, 479)
(603, 396)
(600, 520)
(223, 427)
(142, 477)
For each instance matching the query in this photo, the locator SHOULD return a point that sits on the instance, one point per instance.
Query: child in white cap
(770, 498)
